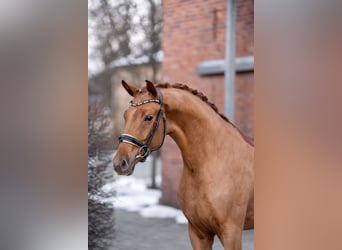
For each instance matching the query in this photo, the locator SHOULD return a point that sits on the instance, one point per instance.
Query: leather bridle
(144, 148)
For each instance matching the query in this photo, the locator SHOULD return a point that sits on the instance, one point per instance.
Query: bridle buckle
(143, 153)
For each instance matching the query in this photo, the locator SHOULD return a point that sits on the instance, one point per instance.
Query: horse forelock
(204, 98)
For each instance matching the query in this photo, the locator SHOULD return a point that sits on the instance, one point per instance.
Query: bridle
(144, 148)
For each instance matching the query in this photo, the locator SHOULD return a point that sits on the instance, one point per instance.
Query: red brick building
(195, 31)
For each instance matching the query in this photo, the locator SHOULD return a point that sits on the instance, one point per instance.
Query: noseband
(144, 148)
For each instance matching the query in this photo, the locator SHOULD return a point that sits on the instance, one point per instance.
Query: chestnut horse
(216, 191)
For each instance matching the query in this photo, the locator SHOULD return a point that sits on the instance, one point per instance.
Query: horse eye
(148, 118)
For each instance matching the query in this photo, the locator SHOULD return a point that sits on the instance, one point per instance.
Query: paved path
(134, 232)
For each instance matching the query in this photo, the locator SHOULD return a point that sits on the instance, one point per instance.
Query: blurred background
(208, 45)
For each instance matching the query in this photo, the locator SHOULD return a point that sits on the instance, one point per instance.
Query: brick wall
(194, 31)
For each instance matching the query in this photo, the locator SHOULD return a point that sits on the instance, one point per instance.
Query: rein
(144, 148)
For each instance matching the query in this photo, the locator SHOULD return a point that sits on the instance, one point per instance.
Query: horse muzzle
(124, 166)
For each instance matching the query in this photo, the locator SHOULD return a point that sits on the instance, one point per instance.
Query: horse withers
(216, 191)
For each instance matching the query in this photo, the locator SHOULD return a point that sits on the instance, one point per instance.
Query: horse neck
(194, 126)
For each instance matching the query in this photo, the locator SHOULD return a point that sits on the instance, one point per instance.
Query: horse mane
(248, 139)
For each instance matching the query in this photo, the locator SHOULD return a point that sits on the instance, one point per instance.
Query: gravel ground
(134, 232)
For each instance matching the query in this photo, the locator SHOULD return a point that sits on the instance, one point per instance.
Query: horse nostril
(124, 164)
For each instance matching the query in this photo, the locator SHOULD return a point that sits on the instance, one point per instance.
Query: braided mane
(204, 98)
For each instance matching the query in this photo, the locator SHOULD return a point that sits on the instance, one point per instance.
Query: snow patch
(159, 211)
(132, 195)
(181, 219)
(126, 184)
(136, 200)
(163, 212)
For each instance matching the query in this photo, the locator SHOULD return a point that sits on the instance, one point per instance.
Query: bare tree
(151, 25)
(112, 26)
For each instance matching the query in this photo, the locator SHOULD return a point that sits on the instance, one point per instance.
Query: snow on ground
(133, 195)
(160, 211)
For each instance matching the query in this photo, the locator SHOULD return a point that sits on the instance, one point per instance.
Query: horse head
(144, 129)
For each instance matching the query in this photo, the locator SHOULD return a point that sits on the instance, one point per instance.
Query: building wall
(194, 31)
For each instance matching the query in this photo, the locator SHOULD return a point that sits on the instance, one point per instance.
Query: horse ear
(151, 88)
(129, 88)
